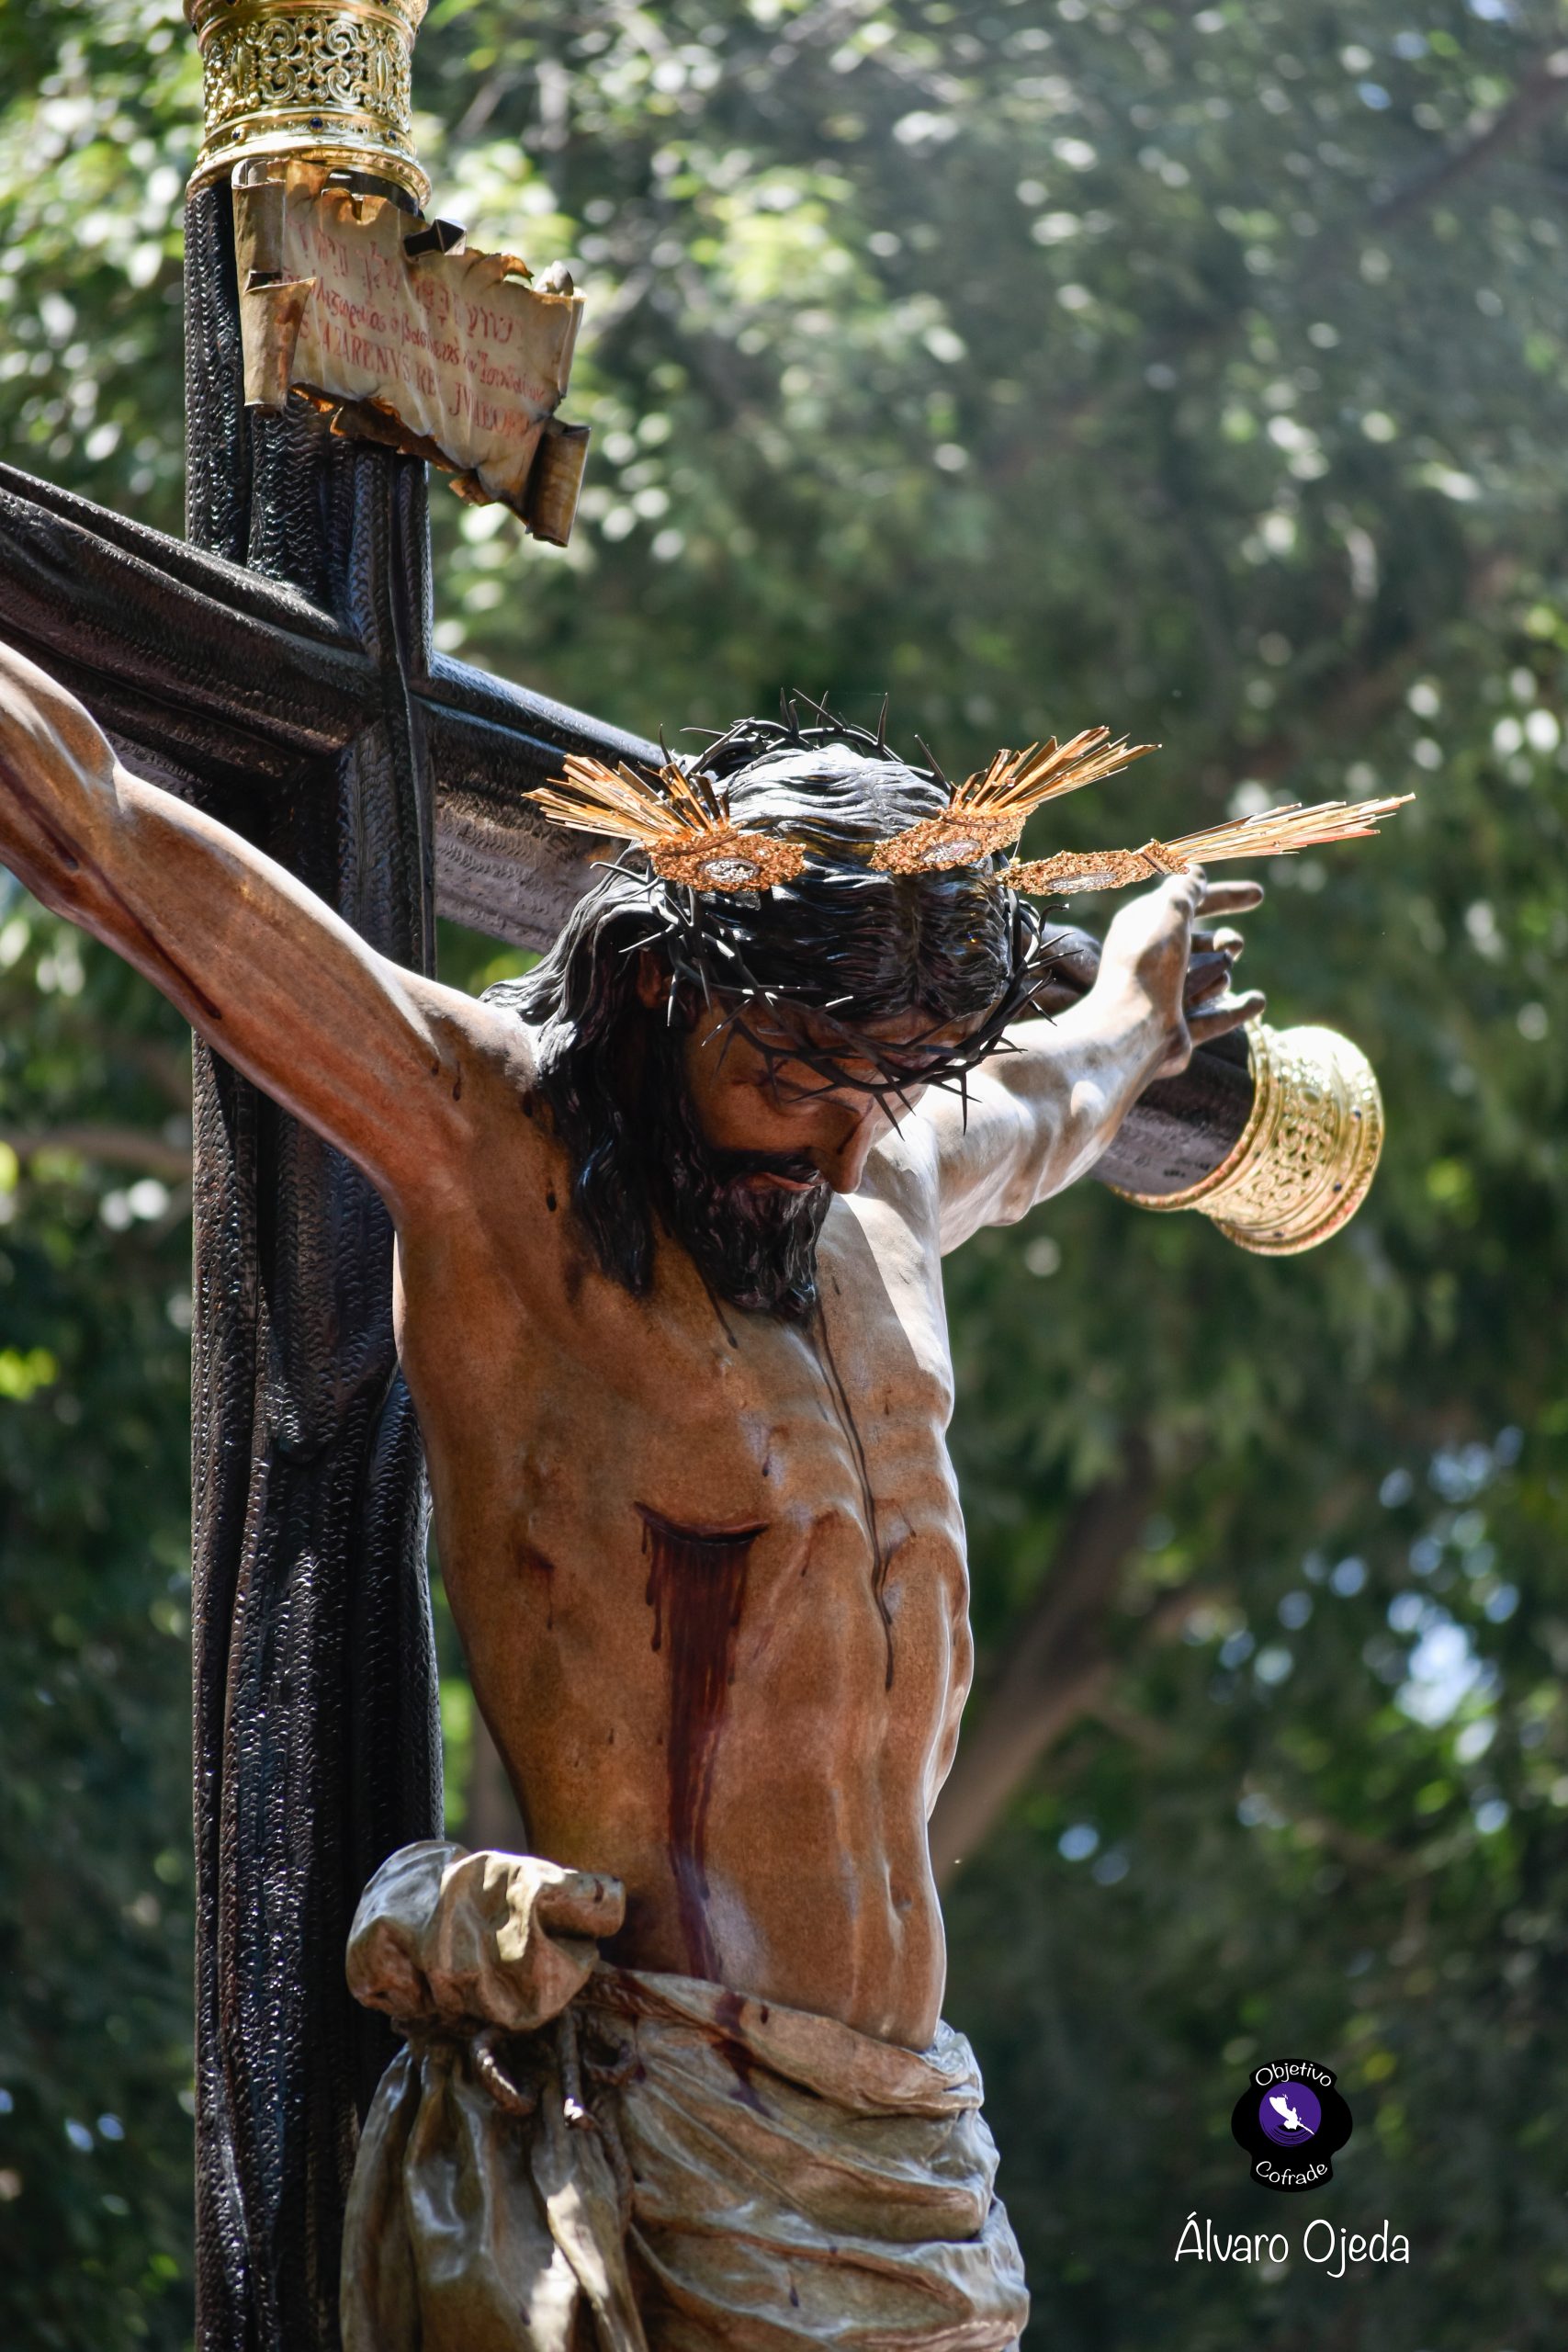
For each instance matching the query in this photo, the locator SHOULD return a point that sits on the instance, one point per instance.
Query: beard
(754, 1247)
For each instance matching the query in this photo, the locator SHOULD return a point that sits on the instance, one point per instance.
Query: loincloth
(567, 2153)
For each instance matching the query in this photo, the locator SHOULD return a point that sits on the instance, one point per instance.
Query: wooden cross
(276, 667)
(278, 670)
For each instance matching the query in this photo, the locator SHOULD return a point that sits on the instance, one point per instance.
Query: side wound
(696, 1589)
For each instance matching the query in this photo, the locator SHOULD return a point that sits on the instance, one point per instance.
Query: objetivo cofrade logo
(1292, 2119)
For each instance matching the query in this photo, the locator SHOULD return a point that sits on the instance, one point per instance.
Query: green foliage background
(1198, 367)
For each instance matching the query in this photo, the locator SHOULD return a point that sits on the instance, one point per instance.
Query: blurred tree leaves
(1201, 369)
(95, 1608)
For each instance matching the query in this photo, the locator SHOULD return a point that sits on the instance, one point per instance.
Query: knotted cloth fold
(485, 2214)
(568, 2153)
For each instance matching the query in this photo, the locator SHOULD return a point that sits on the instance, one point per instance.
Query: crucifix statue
(641, 1256)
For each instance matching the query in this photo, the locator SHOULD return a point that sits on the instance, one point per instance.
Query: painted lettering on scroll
(448, 355)
(407, 325)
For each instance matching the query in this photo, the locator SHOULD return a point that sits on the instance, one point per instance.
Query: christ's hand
(1159, 953)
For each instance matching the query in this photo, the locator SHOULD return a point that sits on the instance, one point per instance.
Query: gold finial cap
(1307, 1159)
(325, 80)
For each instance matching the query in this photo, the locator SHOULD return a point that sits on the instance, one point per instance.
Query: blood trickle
(730, 2006)
(696, 1589)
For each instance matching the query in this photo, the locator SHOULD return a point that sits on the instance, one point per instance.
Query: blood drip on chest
(696, 1589)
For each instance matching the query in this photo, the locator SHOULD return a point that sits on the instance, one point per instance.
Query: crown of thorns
(678, 815)
(700, 871)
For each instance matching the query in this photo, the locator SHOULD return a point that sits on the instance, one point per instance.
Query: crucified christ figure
(671, 1213)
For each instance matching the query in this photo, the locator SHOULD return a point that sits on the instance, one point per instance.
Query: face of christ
(760, 1117)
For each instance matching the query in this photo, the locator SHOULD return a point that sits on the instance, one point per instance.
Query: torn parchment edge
(273, 308)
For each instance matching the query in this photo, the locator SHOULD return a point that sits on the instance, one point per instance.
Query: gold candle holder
(328, 80)
(1306, 1158)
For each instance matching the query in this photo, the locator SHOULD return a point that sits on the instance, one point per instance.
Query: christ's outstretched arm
(1039, 1116)
(370, 1055)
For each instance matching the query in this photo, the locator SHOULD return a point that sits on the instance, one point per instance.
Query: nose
(841, 1158)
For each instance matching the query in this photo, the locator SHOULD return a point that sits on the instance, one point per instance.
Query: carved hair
(851, 945)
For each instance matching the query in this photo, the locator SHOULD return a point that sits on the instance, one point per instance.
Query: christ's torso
(708, 1570)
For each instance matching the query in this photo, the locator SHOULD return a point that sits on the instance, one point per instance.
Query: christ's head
(726, 1062)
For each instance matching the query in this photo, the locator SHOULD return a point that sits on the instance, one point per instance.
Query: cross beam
(185, 658)
(202, 670)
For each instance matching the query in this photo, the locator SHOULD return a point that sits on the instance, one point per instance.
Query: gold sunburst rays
(676, 818)
(680, 819)
(593, 799)
(1274, 832)
(1279, 832)
(988, 811)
